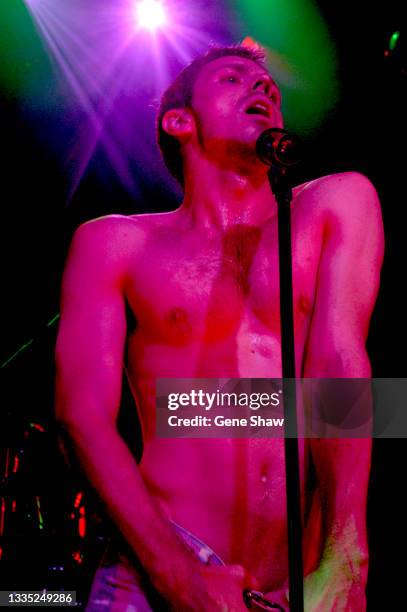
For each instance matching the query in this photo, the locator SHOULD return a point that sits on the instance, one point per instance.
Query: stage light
(393, 40)
(150, 14)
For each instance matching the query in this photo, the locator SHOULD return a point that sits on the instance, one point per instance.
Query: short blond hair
(179, 95)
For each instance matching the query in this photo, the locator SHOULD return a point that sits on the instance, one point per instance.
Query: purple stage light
(150, 14)
(112, 61)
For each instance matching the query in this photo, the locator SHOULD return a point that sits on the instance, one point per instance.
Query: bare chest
(184, 289)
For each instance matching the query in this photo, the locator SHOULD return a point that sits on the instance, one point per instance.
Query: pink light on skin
(150, 14)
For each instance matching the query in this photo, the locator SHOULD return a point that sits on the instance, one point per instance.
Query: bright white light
(150, 14)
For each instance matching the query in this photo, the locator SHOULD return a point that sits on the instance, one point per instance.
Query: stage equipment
(281, 150)
(260, 602)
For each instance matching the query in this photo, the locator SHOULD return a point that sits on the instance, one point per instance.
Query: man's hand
(216, 588)
(280, 597)
(326, 589)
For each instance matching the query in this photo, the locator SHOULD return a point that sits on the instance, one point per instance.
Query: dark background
(365, 132)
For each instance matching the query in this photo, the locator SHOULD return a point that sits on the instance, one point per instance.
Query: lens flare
(104, 68)
(150, 14)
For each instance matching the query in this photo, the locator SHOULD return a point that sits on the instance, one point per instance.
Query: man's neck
(217, 199)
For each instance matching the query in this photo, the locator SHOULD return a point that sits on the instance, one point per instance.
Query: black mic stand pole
(283, 193)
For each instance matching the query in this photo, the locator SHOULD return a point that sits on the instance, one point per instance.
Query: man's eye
(230, 78)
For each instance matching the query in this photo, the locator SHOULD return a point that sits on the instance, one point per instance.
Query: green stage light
(393, 40)
(24, 66)
(302, 57)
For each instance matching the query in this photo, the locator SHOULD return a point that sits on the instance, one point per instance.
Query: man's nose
(262, 85)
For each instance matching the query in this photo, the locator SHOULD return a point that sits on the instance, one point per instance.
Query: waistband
(202, 550)
(118, 550)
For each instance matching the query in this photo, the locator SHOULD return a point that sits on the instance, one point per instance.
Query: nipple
(263, 474)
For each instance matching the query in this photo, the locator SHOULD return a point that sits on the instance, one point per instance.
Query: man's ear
(178, 122)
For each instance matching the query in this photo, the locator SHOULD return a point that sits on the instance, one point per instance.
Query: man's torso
(207, 305)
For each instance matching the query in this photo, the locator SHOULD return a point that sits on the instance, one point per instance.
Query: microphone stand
(283, 193)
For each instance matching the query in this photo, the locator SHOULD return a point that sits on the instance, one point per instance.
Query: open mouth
(258, 109)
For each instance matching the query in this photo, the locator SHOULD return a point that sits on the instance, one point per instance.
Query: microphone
(276, 147)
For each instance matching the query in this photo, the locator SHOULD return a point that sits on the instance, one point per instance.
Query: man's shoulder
(344, 195)
(337, 183)
(113, 225)
(114, 242)
(120, 229)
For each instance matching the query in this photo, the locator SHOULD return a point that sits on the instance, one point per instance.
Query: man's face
(234, 101)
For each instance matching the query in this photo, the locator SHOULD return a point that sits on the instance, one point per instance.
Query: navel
(179, 321)
(264, 474)
(304, 304)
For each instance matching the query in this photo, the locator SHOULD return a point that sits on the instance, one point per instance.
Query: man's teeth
(258, 109)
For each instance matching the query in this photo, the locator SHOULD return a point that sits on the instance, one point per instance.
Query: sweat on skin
(232, 492)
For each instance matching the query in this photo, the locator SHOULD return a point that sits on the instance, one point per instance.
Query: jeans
(121, 585)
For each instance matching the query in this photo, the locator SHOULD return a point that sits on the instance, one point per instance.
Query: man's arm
(347, 287)
(89, 359)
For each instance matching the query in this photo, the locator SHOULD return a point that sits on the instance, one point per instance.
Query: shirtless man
(202, 283)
